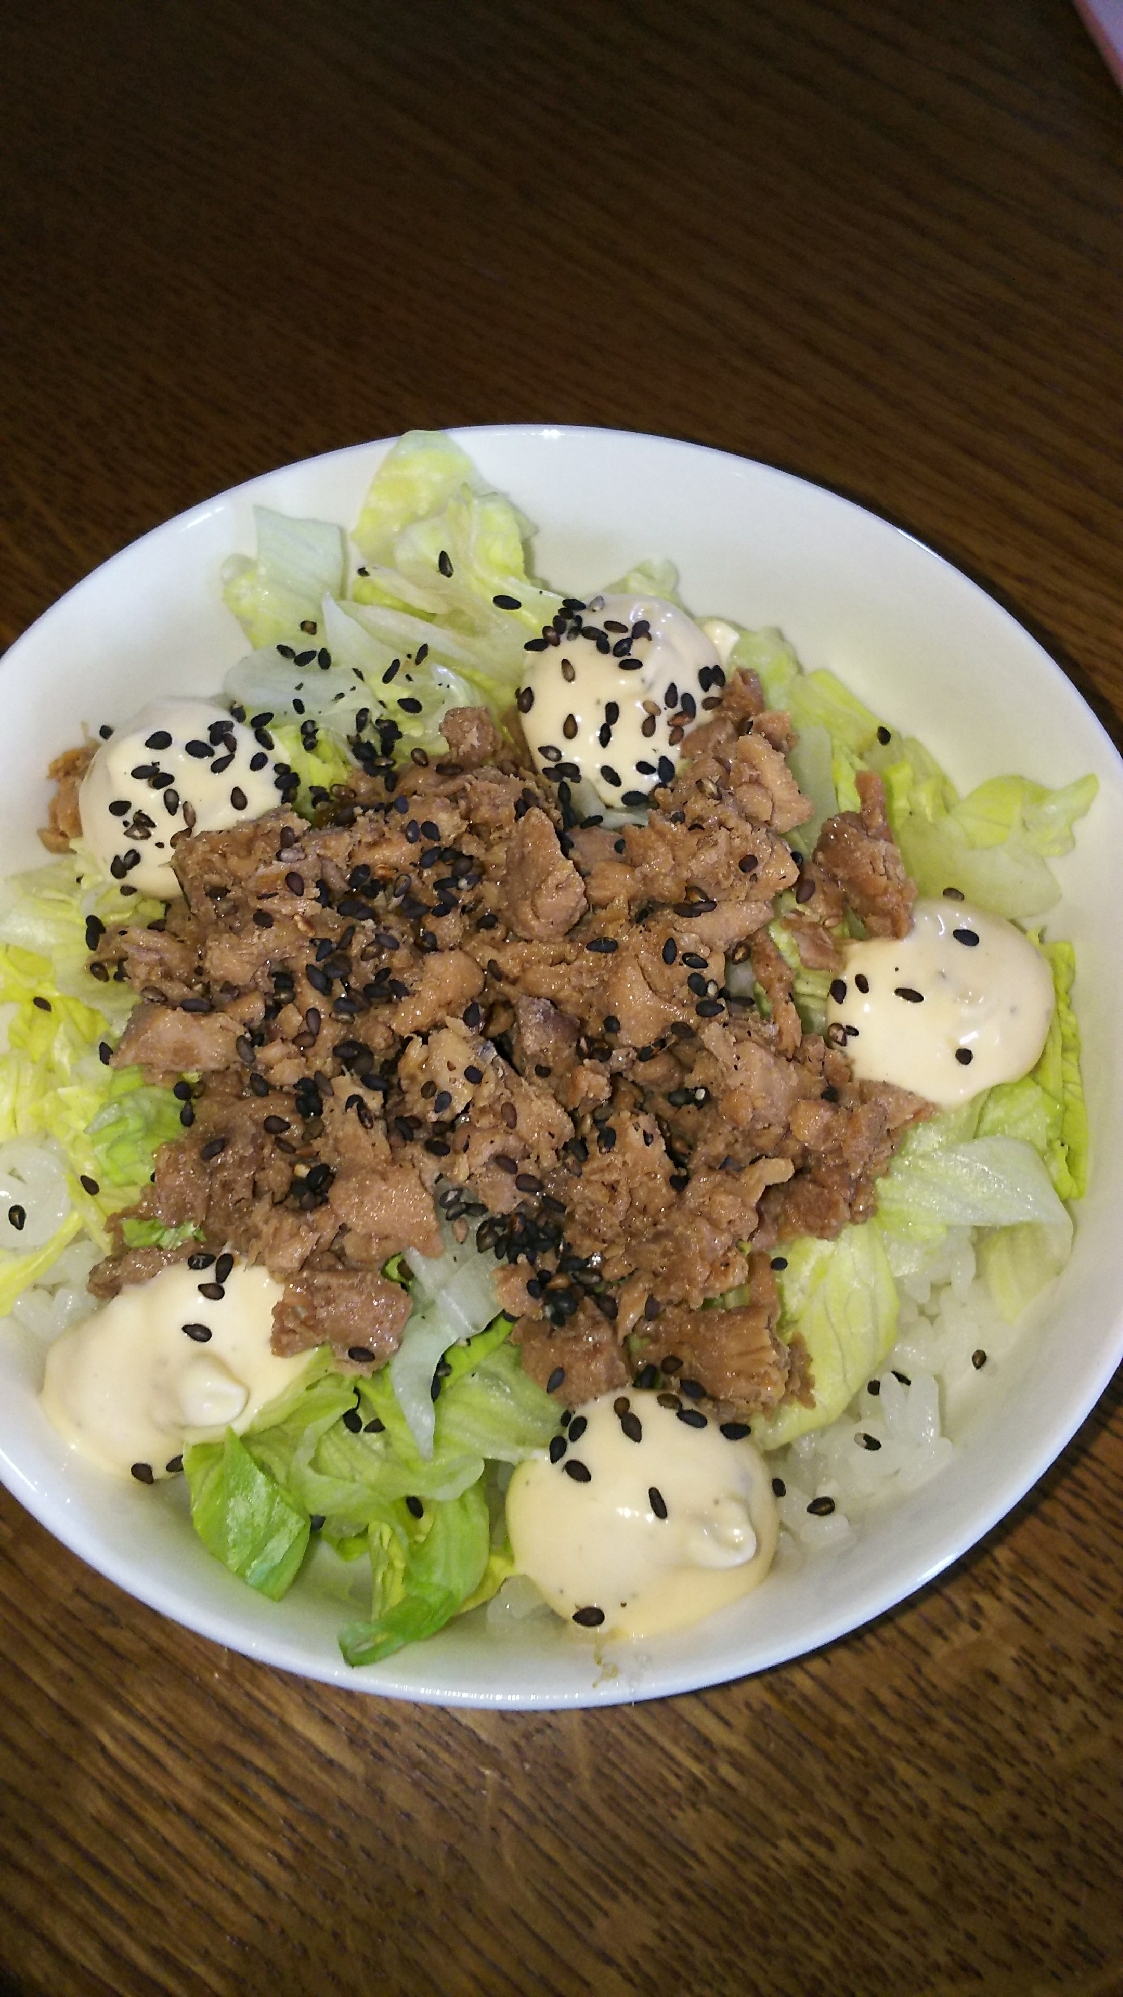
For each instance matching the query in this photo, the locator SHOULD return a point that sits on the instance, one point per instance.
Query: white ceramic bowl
(911, 636)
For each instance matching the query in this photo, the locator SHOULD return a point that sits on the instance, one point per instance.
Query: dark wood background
(875, 242)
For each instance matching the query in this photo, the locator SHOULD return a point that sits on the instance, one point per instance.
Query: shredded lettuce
(108, 1122)
(300, 1460)
(416, 619)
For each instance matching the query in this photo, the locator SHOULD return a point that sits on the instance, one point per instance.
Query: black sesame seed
(604, 945)
(964, 1056)
(632, 1427)
(558, 1447)
(295, 883)
(657, 1502)
(954, 894)
(18, 1217)
(506, 603)
(609, 774)
(213, 1149)
(978, 1358)
(555, 1380)
(821, 1508)
(213, 1292)
(238, 798)
(735, 1431)
(89, 1185)
(693, 1417)
(199, 1332)
(580, 1474)
(223, 1267)
(590, 1618)
(353, 1420)
(884, 735)
(838, 990)
(646, 1377)
(866, 1441)
(968, 936)
(142, 1472)
(862, 982)
(779, 1488)
(908, 992)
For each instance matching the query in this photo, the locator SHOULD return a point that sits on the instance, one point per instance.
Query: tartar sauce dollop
(173, 755)
(645, 1521)
(961, 1003)
(162, 1365)
(611, 704)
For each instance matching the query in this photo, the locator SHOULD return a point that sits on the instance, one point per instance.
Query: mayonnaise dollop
(960, 1003)
(613, 702)
(647, 1522)
(162, 1365)
(172, 754)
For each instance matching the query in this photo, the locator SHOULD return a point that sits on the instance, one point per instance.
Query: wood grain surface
(875, 242)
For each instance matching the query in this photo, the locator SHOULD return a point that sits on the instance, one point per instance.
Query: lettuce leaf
(243, 1516)
(440, 1561)
(44, 912)
(1046, 1107)
(841, 1299)
(1017, 1262)
(297, 562)
(993, 845)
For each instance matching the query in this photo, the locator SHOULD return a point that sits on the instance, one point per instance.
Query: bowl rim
(873, 1601)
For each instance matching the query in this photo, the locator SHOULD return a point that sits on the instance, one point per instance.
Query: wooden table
(875, 242)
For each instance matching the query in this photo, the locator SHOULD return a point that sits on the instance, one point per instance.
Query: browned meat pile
(454, 995)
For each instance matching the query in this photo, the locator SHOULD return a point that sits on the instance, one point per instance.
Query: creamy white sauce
(960, 1003)
(126, 815)
(588, 710)
(128, 1386)
(602, 1544)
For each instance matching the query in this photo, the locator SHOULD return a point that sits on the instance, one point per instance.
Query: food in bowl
(478, 981)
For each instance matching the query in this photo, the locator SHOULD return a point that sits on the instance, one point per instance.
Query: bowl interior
(924, 647)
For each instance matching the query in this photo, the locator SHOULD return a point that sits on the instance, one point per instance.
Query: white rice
(61, 1297)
